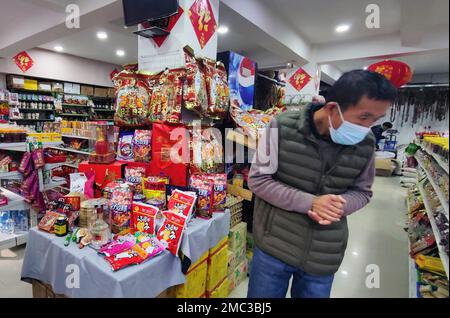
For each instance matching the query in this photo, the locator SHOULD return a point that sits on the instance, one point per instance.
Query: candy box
(143, 218)
(195, 285)
(240, 272)
(221, 291)
(217, 264)
(238, 236)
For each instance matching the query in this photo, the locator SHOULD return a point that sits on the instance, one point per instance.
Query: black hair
(388, 125)
(354, 85)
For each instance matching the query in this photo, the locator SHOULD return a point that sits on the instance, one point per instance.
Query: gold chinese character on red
(300, 79)
(203, 21)
(23, 61)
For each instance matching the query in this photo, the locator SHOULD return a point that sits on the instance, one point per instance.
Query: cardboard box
(76, 89)
(231, 282)
(15, 81)
(113, 171)
(237, 236)
(111, 92)
(240, 272)
(68, 88)
(58, 87)
(236, 257)
(217, 265)
(383, 167)
(221, 291)
(87, 90)
(45, 87)
(31, 85)
(195, 286)
(100, 92)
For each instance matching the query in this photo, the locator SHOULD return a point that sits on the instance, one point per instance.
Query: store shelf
(12, 240)
(78, 137)
(15, 201)
(73, 165)
(439, 161)
(74, 115)
(50, 166)
(55, 182)
(32, 120)
(437, 235)
(76, 105)
(14, 175)
(437, 189)
(412, 278)
(22, 146)
(35, 110)
(26, 91)
(71, 150)
(104, 110)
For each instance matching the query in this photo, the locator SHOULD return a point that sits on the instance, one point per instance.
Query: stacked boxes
(221, 291)
(237, 261)
(217, 269)
(195, 286)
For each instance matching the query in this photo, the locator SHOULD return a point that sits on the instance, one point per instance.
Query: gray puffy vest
(293, 237)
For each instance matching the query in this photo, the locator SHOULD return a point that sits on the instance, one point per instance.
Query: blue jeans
(269, 278)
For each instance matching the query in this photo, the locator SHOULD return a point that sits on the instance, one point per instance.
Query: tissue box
(238, 236)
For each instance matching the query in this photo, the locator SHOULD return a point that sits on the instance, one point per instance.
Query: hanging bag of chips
(194, 93)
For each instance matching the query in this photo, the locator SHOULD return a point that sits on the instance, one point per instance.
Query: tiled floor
(376, 238)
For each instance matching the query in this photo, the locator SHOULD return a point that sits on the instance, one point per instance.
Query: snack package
(206, 152)
(125, 237)
(47, 222)
(38, 158)
(171, 231)
(167, 95)
(82, 183)
(194, 93)
(125, 149)
(120, 207)
(141, 237)
(134, 175)
(154, 189)
(25, 163)
(217, 88)
(182, 203)
(143, 218)
(115, 247)
(153, 247)
(205, 187)
(220, 192)
(133, 93)
(133, 256)
(142, 145)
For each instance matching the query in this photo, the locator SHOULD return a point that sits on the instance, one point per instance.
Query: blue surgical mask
(348, 133)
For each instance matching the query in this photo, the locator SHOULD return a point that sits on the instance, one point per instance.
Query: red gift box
(133, 164)
(103, 172)
(162, 144)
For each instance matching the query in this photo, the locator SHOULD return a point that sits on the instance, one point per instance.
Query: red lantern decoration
(397, 72)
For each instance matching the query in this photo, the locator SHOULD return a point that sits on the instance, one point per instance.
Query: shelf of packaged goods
(50, 166)
(35, 110)
(22, 146)
(72, 150)
(75, 105)
(55, 182)
(12, 240)
(442, 197)
(104, 110)
(78, 137)
(31, 92)
(12, 175)
(438, 159)
(73, 165)
(15, 201)
(437, 234)
(74, 115)
(412, 278)
(32, 120)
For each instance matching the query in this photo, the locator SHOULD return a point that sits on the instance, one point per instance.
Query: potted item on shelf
(104, 145)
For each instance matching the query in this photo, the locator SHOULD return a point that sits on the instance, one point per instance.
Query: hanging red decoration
(202, 18)
(23, 61)
(300, 79)
(397, 72)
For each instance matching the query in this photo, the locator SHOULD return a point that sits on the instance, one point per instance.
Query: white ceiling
(422, 63)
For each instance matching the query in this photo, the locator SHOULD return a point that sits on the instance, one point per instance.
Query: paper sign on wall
(300, 79)
(203, 21)
(23, 61)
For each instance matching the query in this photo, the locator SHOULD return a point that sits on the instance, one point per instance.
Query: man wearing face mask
(321, 170)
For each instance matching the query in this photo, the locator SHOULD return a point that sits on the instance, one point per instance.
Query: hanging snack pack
(154, 189)
(206, 152)
(182, 203)
(133, 93)
(194, 93)
(205, 187)
(143, 218)
(217, 88)
(142, 145)
(134, 175)
(220, 192)
(120, 207)
(171, 231)
(167, 97)
(125, 150)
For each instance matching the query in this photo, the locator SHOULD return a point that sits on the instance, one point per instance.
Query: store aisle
(10, 268)
(376, 237)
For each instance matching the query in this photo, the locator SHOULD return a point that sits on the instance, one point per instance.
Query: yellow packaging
(217, 265)
(238, 236)
(56, 137)
(431, 264)
(31, 85)
(42, 137)
(195, 286)
(66, 131)
(222, 291)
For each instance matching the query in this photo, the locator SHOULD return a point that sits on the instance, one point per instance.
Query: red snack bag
(38, 158)
(220, 192)
(133, 93)
(182, 203)
(134, 175)
(47, 222)
(143, 218)
(171, 231)
(142, 145)
(120, 207)
(133, 256)
(218, 90)
(205, 187)
(194, 92)
(24, 163)
(167, 97)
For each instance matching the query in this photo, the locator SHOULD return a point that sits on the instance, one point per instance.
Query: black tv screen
(138, 11)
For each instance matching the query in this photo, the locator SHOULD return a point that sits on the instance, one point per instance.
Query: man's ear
(330, 106)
